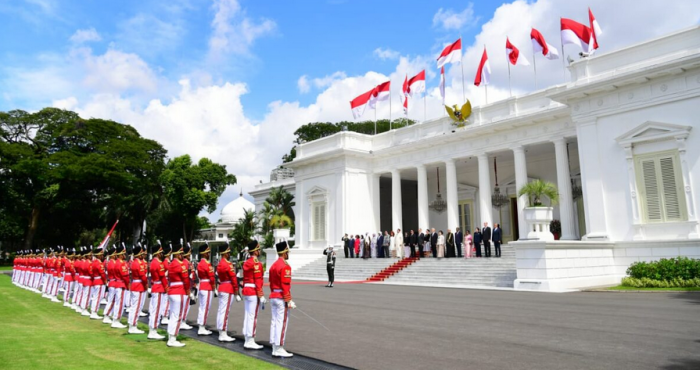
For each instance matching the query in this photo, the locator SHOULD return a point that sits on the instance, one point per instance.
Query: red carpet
(393, 269)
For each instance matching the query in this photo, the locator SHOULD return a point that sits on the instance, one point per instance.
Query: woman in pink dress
(468, 245)
(357, 246)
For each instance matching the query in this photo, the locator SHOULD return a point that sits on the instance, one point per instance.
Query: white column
(485, 207)
(423, 210)
(566, 202)
(396, 211)
(520, 181)
(592, 181)
(451, 188)
(376, 202)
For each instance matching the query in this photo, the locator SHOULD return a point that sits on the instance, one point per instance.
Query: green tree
(537, 189)
(191, 188)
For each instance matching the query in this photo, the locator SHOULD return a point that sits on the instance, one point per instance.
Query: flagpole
(486, 91)
(534, 64)
(375, 117)
(389, 108)
(563, 54)
(425, 107)
(461, 56)
(510, 89)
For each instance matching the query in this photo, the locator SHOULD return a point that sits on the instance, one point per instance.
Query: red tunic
(85, 272)
(227, 277)
(253, 277)
(187, 281)
(97, 272)
(121, 274)
(58, 267)
(159, 284)
(69, 269)
(111, 274)
(205, 271)
(177, 274)
(138, 275)
(281, 280)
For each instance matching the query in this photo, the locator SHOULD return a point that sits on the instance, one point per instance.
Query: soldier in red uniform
(252, 294)
(280, 300)
(87, 281)
(159, 289)
(186, 260)
(177, 275)
(205, 272)
(68, 272)
(228, 288)
(98, 277)
(165, 304)
(139, 270)
(121, 277)
(110, 264)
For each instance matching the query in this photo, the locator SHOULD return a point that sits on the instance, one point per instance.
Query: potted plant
(555, 228)
(537, 215)
(281, 226)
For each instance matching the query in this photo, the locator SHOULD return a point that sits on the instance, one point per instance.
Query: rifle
(193, 284)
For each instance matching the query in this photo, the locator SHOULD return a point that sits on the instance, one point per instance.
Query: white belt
(225, 282)
(204, 280)
(136, 281)
(249, 285)
(277, 290)
(157, 282)
(177, 283)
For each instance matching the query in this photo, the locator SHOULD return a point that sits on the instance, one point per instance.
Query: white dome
(233, 211)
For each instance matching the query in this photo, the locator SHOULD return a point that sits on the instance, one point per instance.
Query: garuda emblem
(460, 116)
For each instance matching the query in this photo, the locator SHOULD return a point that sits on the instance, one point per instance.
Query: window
(660, 187)
(319, 221)
(221, 236)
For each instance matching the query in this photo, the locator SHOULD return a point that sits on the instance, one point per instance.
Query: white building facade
(620, 141)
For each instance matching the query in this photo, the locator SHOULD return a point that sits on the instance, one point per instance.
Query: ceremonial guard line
(120, 278)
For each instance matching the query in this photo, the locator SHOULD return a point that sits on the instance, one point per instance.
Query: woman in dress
(392, 244)
(357, 246)
(440, 245)
(426, 244)
(468, 245)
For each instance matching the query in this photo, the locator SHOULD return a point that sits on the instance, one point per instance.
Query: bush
(683, 268)
(651, 283)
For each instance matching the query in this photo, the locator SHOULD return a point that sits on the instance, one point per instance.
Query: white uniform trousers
(154, 310)
(186, 302)
(77, 293)
(85, 297)
(204, 298)
(164, 306)
(67, 292)
(225, 300)
(280, 319)
(110, 301)
(119, 300)
(177, 312)
(58, 283)
(97, 292)
(137, 301)
(250, 319)
(45, 281)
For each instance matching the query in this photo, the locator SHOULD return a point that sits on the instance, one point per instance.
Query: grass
(39, 334)
(5, 268)
(689, 289)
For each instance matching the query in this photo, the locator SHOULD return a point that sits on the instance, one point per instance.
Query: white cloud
(386, 54)
(115, 71)
(303, 84)
(86, 35)
(233, 32)
(448, 19)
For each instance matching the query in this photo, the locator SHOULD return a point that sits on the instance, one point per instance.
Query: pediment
(316, 190)
(653, 131)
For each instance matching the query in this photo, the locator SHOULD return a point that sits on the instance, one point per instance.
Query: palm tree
(537, 189)
(282, 200)
(244, 230)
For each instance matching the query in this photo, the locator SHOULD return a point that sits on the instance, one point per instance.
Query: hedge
(682, 268)
(651, 283)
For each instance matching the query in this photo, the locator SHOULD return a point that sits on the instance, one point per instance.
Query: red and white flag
(442, 84)
(404, 95)
(484, 71)
(359, 104)
(105, 241)
(515, 57)
(416, 84)
(451, 54)
(595, 27)
(539, 45)
(380, 93)
(576, 33)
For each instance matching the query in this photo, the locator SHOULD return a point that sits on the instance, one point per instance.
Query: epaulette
(285, 262)
(255, 259)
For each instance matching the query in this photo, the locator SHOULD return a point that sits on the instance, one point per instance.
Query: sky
(232, 80)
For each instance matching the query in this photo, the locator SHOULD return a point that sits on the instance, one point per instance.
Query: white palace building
(621, 141)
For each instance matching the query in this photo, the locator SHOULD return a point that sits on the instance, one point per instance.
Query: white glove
(263, 300)
(149, 291)
(238, 298)
(292, 305)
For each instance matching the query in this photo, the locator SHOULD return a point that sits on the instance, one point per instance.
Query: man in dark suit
(411, 241)
(433, 242)
(497, 238)
(459, 238)
(486, 237)
(419, 243)
(346, 244)
(380, 242)
(351, 246)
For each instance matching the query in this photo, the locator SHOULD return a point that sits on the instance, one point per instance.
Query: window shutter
(672, 205)
(315, 223)
(652, 197)
(322, 222)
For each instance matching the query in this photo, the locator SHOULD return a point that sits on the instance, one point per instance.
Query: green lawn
(5, 268)
(620, 287)
(39, 334)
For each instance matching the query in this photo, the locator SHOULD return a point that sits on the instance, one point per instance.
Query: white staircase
(346, 269)
(460, 272)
